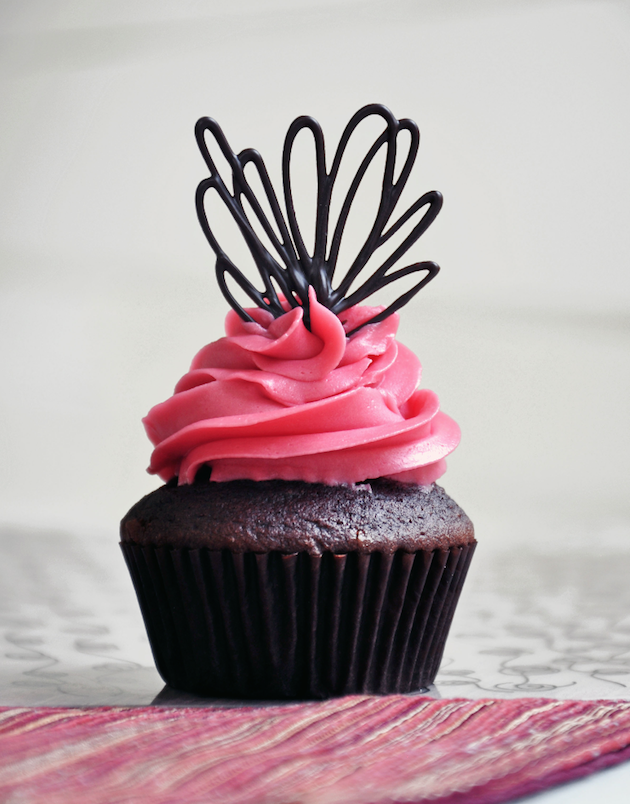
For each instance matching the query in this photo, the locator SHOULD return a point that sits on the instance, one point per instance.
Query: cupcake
(300, 547)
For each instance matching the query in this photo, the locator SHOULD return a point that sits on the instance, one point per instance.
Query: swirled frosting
(273, 400)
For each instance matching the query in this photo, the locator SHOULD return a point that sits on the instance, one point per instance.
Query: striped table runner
(357, 749)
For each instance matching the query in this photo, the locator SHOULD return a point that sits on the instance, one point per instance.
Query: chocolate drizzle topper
(293, 269)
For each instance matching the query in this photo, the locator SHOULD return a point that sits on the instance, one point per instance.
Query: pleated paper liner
(274, 626)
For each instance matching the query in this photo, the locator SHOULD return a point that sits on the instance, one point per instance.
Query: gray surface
(528, 624)
(542, 623)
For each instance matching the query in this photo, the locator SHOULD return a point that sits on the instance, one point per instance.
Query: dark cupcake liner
(271, 625)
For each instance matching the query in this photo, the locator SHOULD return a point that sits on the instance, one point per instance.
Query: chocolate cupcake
(300, 547)
(289, 589)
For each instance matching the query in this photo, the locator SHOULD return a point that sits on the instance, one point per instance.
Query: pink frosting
(273, 400)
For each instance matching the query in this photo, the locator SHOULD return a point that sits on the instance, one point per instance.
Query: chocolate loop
(292, 269)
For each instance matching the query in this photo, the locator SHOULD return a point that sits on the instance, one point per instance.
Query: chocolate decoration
(292, 270)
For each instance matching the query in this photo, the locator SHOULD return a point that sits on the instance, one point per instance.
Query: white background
(107, 285)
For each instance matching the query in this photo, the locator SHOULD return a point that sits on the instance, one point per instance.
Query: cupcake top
(290, 516)
(310, 384)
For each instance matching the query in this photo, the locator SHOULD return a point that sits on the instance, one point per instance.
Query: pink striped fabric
(357, 749)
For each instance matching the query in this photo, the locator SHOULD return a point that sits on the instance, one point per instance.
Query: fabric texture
(357, 749)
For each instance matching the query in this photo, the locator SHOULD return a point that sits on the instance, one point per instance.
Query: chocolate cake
(292, 516)
(279, 589)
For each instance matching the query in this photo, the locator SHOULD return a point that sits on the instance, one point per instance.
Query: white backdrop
(106, 283)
